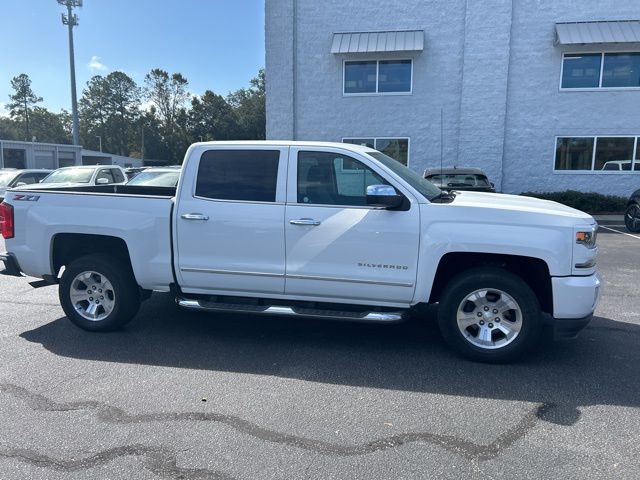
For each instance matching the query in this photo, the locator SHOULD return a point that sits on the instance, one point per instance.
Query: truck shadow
(600, 367)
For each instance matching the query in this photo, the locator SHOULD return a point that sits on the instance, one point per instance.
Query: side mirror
(493, 185)
(20, 184)
(102, 181)
(384, 196)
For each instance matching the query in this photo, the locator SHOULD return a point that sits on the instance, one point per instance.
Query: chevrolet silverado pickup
(311, 229)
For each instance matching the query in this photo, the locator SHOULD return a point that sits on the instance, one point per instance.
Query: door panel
(233, 244)
(348, 251)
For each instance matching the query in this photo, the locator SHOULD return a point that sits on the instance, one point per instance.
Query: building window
(396, 148)
(615, 154)
(601, 70)
(377, 77)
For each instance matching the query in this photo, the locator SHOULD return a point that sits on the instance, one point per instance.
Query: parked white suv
(316, 230)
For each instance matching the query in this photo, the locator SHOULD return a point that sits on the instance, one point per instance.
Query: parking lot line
(618, 231)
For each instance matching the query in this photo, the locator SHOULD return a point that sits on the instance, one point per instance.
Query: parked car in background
(133, 171)
(464, 179)
(10, 178)
(632, 213)
(620, 165)
(87, 175)
(157, 177)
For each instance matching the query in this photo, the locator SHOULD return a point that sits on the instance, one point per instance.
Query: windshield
(459, 180)
(6, 177)
(425, 187)
(156, 179)
(70, 175)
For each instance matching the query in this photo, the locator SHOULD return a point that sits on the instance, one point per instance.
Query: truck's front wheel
(99, 293)
(490, 315)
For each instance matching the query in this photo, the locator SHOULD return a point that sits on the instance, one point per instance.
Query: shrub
(589, 202)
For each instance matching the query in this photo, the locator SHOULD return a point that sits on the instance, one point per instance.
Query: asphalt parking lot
(187, 395)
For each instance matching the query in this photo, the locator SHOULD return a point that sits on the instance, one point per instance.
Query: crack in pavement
(470, 450)
(160, 461)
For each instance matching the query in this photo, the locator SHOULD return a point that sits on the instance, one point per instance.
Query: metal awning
(377, 42)
(579, 33)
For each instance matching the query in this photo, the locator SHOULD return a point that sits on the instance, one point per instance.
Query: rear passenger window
(118, 175)
(249, 175)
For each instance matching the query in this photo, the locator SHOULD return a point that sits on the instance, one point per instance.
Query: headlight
(588, 239)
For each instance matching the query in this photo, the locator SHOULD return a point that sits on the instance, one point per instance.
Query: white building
(543, 95)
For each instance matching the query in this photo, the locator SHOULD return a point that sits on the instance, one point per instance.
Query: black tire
(489, 278)
(632, 218)
(125, 292)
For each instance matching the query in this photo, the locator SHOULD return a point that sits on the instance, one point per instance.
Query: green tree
(168, 93)
(110, 109)
(22, 101)
(249, 107)
(8, 129)
(50, 127)
(212, 118)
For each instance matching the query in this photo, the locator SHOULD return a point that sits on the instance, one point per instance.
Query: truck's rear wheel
(489, 315)
(99, 293)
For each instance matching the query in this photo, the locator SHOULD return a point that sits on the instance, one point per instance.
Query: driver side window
(326, 178)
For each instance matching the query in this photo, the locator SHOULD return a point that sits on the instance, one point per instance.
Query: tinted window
(118, 176)
(326, 178)
(574, 153)
(581, 70)
(249, 175)
(394, 76)
(360, 77)
(621, 70)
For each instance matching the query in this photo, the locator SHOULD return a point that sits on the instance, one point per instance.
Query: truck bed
(139, 190)
(140, 216)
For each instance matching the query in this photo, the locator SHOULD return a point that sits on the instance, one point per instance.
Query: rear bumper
(11, 266)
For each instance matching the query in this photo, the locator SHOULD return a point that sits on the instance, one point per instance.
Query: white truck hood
(519, 203)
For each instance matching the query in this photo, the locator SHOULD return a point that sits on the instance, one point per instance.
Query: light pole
(100, 140)
(71, 20)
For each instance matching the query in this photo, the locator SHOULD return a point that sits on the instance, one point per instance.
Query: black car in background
(465, 179)
(632, 213)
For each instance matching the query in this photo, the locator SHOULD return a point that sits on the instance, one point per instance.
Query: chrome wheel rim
(92, 296)
(489, 318)
(632, 218)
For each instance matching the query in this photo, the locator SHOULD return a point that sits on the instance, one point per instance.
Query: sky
(216, 44)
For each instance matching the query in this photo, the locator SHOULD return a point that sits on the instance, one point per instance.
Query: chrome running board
(374, 317)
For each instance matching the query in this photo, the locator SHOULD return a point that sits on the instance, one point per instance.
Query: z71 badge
(26, 198)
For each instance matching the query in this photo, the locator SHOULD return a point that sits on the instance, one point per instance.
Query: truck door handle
(195, 216)
(305, 221)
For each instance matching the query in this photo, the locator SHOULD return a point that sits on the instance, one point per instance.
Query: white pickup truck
(312, 229)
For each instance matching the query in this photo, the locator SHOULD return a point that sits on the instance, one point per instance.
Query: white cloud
(3, 110)
(96, 66)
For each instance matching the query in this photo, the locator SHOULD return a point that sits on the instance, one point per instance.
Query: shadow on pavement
(600, 367)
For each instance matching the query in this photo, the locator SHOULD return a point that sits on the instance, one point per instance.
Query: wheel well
(533, 271)
(67, 247)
